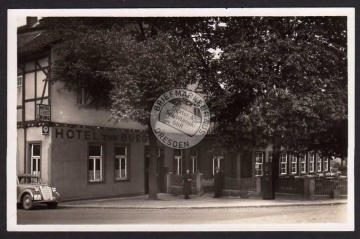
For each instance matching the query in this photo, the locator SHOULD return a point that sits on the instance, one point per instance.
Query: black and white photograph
(181, 119)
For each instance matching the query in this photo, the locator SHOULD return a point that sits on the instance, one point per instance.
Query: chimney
(31, 21)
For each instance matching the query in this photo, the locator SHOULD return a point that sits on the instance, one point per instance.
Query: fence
(289, 185)
(244, 184)
(176, 180)
(311, 188)
(175, 183)
(325, 186)
(308, 188)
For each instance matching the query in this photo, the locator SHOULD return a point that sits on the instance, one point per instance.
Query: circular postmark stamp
(180, 118)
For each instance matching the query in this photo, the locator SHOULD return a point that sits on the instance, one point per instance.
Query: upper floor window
(19, 90)
(19, 81)
(259, 160)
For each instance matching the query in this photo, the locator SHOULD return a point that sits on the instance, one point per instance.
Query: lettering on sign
(43, 113)
(80, 134)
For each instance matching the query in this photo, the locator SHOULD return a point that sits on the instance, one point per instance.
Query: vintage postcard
(181, 119)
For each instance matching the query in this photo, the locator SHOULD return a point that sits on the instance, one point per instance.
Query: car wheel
(27, 202)
(52, 205)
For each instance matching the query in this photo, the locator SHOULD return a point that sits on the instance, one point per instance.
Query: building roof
(35, 41)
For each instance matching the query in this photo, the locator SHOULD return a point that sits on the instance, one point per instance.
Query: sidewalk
(206, 201)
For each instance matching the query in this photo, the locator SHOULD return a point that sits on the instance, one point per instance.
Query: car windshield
(29, 180)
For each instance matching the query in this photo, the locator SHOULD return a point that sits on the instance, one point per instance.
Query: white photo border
(14, 14)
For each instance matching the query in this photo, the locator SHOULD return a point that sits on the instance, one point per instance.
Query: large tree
(281, 81)
(125, 64)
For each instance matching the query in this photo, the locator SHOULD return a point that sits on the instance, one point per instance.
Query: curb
(203, 207)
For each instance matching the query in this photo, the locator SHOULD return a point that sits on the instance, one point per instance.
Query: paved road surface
(300, 214)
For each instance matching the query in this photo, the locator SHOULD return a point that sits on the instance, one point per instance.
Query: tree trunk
(152, 166)
(275, 167)
(276, 162)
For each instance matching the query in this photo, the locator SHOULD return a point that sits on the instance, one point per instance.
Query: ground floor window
(95, 163)
(35, 159)
(318, 164)
(326, 164)
(302, 163)
(294, 164)
(283, 164)
(178, 161)
(121, 163)
(259, 160)
(193, 157)
(218, 162)
(311, 162)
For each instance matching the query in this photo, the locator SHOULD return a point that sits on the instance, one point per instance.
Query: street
(295, 214)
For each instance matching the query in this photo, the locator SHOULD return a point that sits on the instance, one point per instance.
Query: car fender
(57, 196)
(28, 191)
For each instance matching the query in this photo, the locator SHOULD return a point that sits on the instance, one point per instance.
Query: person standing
(218, 182)
(187, 184)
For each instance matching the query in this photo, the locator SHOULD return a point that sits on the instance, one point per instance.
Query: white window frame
(92, 160)
(311, 162)
(326, 164)
(294, 164)
(19, 81)
(283, 164)
(216, 163)
(318, 164)
(121, 158)
(302, 158)
(179, 163)
(259, 160)
(37, 159)
(193, 159)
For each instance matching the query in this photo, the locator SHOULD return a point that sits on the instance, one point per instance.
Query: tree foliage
(281, 81)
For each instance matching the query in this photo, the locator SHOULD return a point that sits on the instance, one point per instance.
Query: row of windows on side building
(294, 163)
(289, 163)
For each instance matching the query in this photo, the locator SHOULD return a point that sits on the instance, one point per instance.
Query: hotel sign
(43, 113)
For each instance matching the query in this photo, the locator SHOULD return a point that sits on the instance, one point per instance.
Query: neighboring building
(84, 155)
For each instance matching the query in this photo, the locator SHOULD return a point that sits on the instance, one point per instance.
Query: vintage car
(31, 191)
